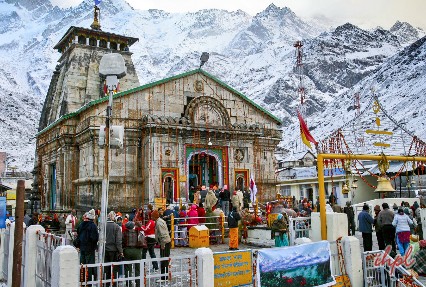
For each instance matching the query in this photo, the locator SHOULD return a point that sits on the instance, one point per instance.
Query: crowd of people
(397, 229)
(123, 235)
(393, 227)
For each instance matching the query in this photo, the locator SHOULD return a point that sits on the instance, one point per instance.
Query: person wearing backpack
(233, 219)
(280, 229)
(132, 250)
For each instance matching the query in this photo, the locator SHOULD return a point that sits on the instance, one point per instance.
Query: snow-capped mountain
(406, 33)
(253, 54)
(400, 86)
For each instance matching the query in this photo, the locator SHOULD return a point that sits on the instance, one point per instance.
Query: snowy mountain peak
(253, 54)
(31, 5)
(406, 33)
(274, 11)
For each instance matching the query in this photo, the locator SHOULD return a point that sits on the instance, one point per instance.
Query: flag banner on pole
(97, 2)
(304, 132)
(304, 139)
(253, 189)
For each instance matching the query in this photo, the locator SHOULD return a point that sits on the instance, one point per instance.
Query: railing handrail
(389, 259)
(148, 260)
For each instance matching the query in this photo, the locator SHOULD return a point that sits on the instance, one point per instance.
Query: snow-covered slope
(253, 54)
(400, 85)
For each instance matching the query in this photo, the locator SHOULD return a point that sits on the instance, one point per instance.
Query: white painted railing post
(31, 254)
(65, 267)
(353, 262)
(205, 267)
(2, 247)
(10, 260)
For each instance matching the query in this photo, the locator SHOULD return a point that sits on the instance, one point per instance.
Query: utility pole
(19, 231)
(112, 68)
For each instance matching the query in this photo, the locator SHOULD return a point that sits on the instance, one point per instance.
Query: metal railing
(46, 244)
(383, 275)
(299, 227)
(180, 231)
(181, 271)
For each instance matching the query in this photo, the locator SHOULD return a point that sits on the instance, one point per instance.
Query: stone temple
(186, 130)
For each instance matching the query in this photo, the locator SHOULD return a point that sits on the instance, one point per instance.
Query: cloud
(365, 13)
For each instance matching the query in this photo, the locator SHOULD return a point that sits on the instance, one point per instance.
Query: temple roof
(72, 31)
(121, 94)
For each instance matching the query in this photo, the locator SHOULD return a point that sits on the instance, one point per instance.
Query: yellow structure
(271, 218)
(320, 163)
(233, 268)
(199, 236)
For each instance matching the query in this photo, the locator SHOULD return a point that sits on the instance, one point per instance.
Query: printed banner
(305, 265)
(233, 268)
(2, 212)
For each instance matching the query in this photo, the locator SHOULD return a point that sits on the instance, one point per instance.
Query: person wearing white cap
(88, 235)
(113, 244)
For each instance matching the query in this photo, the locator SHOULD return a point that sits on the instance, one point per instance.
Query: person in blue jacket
(365, 222)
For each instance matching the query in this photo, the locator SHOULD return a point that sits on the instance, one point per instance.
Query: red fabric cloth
(201, 213)
(182, 214)
(404, 236)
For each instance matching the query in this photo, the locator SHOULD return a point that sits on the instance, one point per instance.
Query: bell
(384, 185)
(354, 185)
(345, 188)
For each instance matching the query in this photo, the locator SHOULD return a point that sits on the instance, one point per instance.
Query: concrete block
(205, 267)
(337, 226)
(31, 254)
(353, 262)
(65, 267)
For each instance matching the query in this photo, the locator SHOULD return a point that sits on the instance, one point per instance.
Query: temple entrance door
(168, 187)
(203, 170)
(241, 179)
(53, 186)
(169, 183)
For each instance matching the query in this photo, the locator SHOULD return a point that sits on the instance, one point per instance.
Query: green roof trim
(150, 85)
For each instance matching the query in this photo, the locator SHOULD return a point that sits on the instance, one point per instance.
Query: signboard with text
(233, 268)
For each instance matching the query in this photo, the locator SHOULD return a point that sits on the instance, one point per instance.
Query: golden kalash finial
(96, 25)
(383, 183)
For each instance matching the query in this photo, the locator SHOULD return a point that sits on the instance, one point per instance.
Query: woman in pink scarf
(193, 216)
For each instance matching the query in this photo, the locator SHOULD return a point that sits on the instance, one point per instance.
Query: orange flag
(307, 138)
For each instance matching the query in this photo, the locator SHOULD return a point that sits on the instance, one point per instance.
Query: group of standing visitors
(123, 241)
(393, 227)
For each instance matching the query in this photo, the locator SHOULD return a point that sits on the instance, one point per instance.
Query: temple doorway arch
(204, 168)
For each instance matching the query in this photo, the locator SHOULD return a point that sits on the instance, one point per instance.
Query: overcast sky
(364, 13)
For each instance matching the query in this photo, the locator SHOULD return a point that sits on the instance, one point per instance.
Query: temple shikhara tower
(187, 130)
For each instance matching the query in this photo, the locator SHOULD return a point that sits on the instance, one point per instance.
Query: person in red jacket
(201, 213)
(149, 230)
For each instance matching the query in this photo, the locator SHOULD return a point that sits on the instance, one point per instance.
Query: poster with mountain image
(305, 265)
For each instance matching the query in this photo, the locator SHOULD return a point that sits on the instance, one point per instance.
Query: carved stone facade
(190, 129)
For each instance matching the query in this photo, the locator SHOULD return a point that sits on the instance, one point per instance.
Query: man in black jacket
(88, 234)
(225, 197)
(233, 219)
